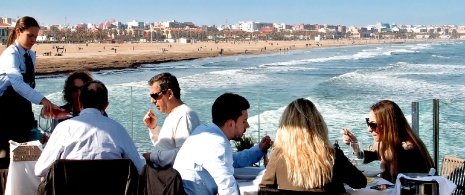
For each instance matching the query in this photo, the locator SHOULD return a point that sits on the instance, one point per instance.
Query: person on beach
(89, 135)
(398, 148)
(206, 161)
(17, 83)
(302, 137)
(165, 94)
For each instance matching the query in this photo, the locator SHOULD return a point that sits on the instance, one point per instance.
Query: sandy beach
(99, 56)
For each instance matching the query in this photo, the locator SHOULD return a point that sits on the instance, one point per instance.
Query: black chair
(4, 164)
(117, 176)
(160, 181)
(274, 191)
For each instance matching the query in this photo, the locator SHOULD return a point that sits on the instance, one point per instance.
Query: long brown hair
(394, 129)
(302, 141)
(22, 24)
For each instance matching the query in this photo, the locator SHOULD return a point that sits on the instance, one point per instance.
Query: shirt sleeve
(247, 157)
(166, 157)
(51, 152)
(12, 62)
(269, 177)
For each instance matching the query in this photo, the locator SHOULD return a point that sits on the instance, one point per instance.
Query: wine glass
(356, 154)
(45, 123)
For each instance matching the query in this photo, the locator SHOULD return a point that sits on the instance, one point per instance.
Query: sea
(343, 82)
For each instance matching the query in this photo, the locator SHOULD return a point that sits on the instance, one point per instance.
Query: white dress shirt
(205, 163)
(88, 136)
(12, 64)
(167, 141)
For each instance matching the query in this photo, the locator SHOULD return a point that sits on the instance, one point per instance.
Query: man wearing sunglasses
(165, 94)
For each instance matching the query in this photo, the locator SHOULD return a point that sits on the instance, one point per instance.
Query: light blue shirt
(12, 64)
(88, 136)
(205, 162)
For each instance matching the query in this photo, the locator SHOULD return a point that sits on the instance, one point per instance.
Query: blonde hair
(302, 141)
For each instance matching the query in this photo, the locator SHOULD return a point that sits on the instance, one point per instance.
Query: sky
(218, 12)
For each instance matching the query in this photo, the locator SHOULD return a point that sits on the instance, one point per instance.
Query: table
(21, 178)
(250, 187)
(367, 190)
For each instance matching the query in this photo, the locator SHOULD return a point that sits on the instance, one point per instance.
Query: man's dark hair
(94, 94)
(228, 106)
(167, 81)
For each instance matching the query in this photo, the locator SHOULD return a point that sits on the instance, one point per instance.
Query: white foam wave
(221, 79)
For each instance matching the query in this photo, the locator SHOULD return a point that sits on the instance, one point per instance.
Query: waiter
(17, 82)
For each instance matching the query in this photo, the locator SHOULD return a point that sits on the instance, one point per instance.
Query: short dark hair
(167, 81)
(84, 75)
(94, 94)
(228, 106)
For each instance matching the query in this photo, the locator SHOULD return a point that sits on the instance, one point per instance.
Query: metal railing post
(415, 118)
(436, 131)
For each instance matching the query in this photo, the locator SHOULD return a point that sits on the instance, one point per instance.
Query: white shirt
(177, 126)
(12, 64)
(205, 163)
(88, 136)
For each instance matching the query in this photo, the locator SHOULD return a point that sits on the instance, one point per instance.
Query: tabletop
(250, 186)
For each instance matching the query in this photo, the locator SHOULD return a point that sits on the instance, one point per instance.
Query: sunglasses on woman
(372, 125)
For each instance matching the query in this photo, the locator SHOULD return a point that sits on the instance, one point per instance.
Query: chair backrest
(116, 176)
(160, 181)
(453, 168)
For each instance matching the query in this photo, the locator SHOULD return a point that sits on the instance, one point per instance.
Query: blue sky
(209, 12)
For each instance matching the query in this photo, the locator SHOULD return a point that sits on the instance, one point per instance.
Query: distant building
(5, 30)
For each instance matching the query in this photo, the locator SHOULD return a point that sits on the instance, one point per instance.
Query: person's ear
(104, 108)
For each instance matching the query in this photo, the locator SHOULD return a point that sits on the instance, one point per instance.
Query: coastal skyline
(210, 12)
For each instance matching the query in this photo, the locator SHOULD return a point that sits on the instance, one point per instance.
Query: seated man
(89, 135)
(205, 161)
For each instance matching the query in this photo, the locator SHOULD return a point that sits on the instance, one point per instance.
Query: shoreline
(96, 56)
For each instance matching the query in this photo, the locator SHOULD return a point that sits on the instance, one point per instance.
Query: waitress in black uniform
(17, 82)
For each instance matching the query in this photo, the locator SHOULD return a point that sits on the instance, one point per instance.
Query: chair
(116, 176)
(160, 181)
(453, 168)
(274, 191)
(4, 163)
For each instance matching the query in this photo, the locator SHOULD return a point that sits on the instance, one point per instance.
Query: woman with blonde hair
(303, 159)
(398, 148)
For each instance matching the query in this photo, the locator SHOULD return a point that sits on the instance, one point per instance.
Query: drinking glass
(45, 123)
(356, 154)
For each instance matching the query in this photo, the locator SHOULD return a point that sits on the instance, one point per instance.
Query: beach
(100, 56)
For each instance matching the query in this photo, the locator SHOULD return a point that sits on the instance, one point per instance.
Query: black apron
(16, 116)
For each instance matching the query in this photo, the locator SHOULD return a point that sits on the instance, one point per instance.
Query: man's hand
(146, 156)
(265, 144)
(150, 120)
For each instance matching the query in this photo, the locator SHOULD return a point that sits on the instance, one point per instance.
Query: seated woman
(398, 148)
(71, 89)
(303, 159)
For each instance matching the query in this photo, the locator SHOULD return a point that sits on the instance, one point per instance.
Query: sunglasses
(157, 95)
(75, 88)
(372, 125)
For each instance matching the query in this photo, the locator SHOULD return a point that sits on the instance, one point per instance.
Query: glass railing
(128, 106)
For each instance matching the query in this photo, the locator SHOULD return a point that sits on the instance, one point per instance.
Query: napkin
(258, 179)
(445, 186)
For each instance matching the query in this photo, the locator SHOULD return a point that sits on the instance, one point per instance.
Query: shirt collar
(21, 50)
(90, 111)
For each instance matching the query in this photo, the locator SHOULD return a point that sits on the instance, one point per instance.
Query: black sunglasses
(372, 125)
(75, 88)
(156, 96)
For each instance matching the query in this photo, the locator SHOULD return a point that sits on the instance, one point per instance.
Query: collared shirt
(88, 136)
(12, 64)
(178, 125)
(205, 163)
